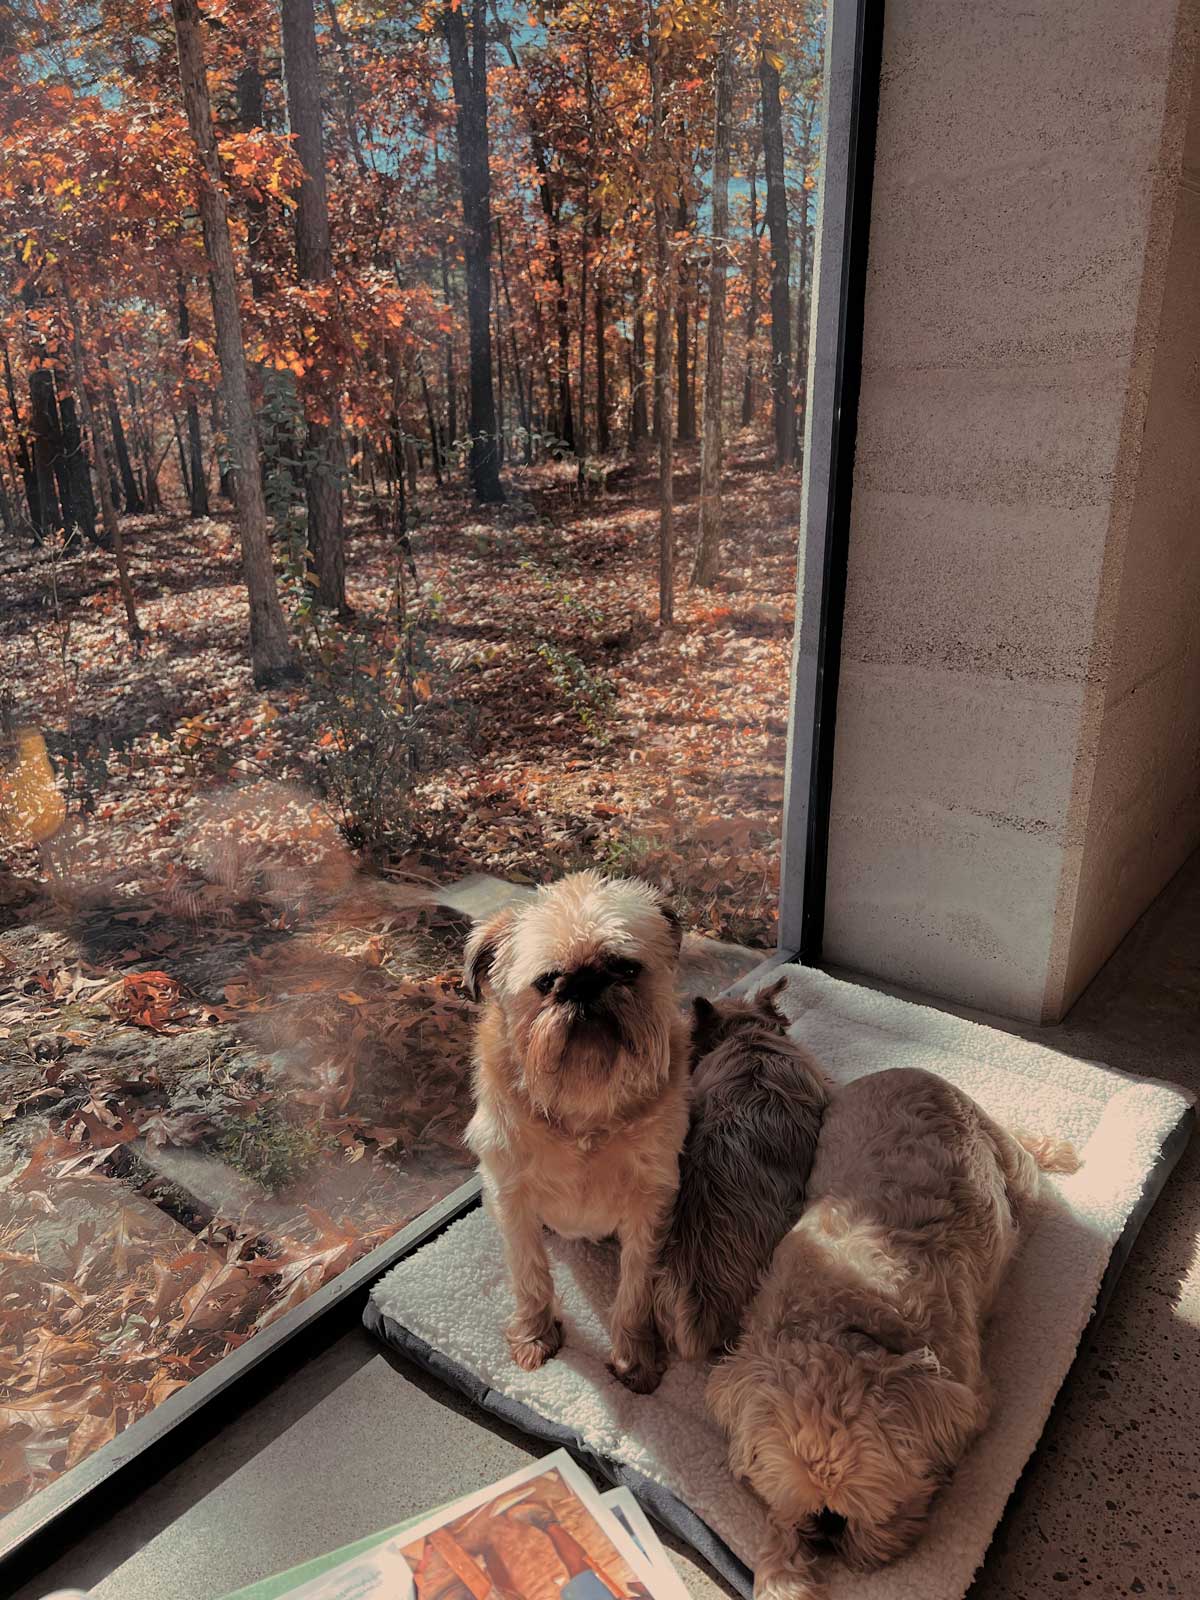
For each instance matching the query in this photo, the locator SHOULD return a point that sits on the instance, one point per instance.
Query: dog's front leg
(636, 1350)
(534, 1332)
(786, 1568)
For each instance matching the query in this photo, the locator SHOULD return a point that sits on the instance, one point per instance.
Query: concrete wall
(1142, 816)
(1018, 729)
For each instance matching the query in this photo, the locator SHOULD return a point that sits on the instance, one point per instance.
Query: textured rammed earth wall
(1019, 715)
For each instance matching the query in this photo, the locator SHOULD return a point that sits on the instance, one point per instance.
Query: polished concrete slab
(1109, 1507)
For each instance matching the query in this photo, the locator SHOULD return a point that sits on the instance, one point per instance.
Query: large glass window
(400, 468)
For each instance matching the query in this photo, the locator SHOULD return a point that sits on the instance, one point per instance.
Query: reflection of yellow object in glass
(31, 808)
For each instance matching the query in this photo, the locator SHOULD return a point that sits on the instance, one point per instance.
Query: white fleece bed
(445, 1306)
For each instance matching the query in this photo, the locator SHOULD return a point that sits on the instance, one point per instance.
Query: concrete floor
(1109, 1507)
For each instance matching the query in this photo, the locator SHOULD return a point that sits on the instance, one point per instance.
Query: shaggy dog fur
(858, 1382)
(580, 1096)
(757, 1099)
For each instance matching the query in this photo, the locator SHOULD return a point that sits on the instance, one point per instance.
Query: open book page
(544, 1533)
(380, 1573)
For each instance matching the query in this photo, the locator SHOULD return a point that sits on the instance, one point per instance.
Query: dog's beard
(591, 1063)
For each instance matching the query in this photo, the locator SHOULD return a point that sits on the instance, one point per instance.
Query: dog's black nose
(831, 1525)
(583, 986)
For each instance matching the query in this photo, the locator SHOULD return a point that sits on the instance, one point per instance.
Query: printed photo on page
(542, 1534)
(622, 1505)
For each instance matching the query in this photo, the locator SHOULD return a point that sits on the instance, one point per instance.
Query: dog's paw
(787, 1566)
(639, 1365)
(791, 1582)
(639, 1379)
(531, 1350)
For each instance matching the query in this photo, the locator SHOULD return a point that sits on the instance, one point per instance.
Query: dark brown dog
(756, 1106)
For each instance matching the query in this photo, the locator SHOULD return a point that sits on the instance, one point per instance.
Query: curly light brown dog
(756, 1104)
(581, 1096)
(858, 1382)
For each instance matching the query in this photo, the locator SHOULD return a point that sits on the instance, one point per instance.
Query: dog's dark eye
(546, 982)
(625, 971)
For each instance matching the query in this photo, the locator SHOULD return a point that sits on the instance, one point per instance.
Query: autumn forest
(401, 451)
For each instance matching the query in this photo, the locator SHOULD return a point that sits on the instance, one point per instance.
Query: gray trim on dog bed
(666, 1508)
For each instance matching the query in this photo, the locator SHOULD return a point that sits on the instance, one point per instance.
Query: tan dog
(580, 1096)
(858, 1382)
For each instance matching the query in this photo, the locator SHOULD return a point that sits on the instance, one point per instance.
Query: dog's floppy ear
(733, 1396)
(927, 1411)
(483, 944)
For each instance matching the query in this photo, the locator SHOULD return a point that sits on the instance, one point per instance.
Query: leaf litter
(234, 1052)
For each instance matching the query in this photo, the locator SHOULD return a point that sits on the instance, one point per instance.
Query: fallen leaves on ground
(235, 1055)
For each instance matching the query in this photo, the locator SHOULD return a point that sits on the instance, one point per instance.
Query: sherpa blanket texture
(454, 1295)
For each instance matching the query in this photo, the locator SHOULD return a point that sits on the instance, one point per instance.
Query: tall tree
(325, 455)
(196, 479)
(752, 302)
(131, 489)
(663, 307)
(713, 448)
(79, 504)
(805, 155)
(270, 649)
(639, 419)
(783, 407)
(468, 71)
(685, 426)
(108, 510)
(603, 432)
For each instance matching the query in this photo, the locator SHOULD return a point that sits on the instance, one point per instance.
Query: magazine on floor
(544, 1533)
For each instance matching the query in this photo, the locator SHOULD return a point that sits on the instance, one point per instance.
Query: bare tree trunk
(185, 476)
(662, 353)
(108, 511)
(8, 520)
(712, 450)
(499, 370)
(451, 380)
(325, 455)
(518, 367)
(663, 297)
(752, 305)
(220, 451)
(435, 443)
(468, 70)
(565, 412)
(603, 433)
(270, 649)
(581, 433)
(145, 445)
(80, 504)
(47, 438)
(639, 420)
(130, 488)
(685, 428)
(804, 287)
(195, 478)
(781, 266)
